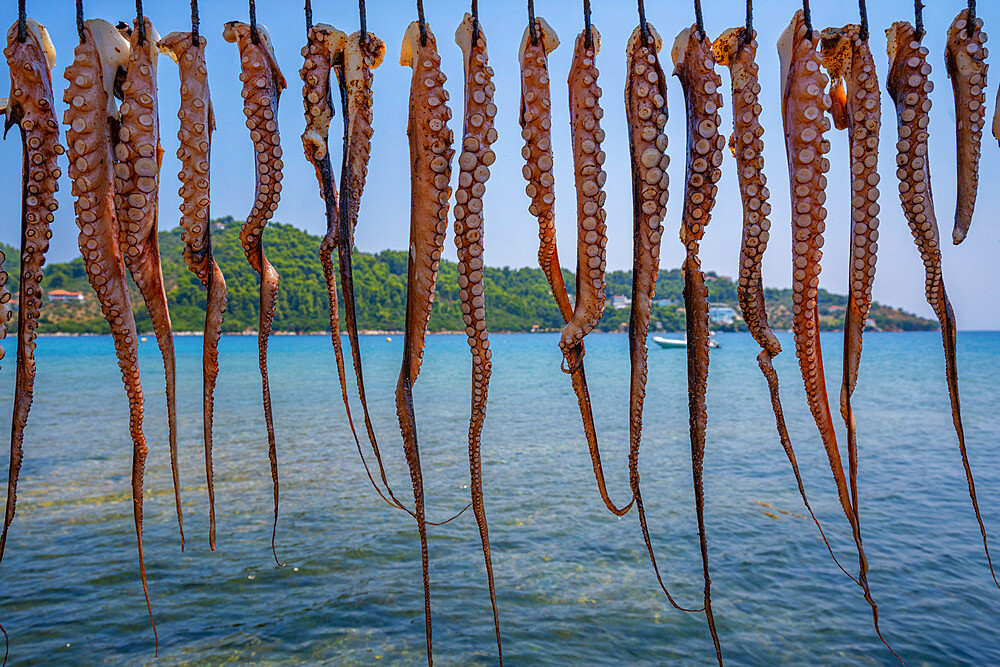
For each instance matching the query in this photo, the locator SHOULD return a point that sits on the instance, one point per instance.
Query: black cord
(807, 18)
(140, 22)
(475, 22)
(195, 38)
(364, 24)
(421, 23)
(699, 19)
(748, 36)
(79, 21)
(864, 20)
(531, 22)
(918, 11)
(643, 27)
(970, 22)
(309, 16)
(254, 37)
(22, 22)
(588, 38)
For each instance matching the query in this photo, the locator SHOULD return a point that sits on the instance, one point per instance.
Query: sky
(971, 271)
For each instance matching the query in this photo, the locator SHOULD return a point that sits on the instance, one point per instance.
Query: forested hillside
(516, 299)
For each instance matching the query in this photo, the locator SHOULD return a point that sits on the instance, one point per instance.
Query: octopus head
(546, 36)
(37, 32)
(837, 49)
(411, 44)
(635, 41)
(113, 51)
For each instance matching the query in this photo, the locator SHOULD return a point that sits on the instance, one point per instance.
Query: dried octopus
(197, 122)
(646, 111)
(965, 62)
(137, 178)
(92, 121)
(323, 44)
(262, 86)
(909, 86)
(478, 136)
(737, 49)
(536, 129)
(804, 104)
(588, 158)
(856, 106)
(694, 65)
(31, 108)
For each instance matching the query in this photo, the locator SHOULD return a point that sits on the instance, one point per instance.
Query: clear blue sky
(971, 270)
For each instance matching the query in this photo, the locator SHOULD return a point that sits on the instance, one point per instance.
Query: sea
(574, 583)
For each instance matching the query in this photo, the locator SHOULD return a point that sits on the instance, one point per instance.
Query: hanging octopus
(92, 120)
(909, 86)
(197, 122)
(323, 44)
(856, 106)
(588, 158)
(694, 66)
(965, 62)
(137, 177)
(31, 108)
(536, 129)
(646, 112)
(804, 104)
(475, 160)
(737, 49)
(262, 86)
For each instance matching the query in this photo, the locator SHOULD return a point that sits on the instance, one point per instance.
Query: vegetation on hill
(516, 299)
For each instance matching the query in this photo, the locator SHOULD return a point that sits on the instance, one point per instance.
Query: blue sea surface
(574, 583)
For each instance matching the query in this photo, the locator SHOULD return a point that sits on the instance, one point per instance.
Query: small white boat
(674, 343)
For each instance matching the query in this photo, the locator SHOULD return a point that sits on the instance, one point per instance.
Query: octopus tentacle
(478, 136)
(588, 158)
(694, 66)
(965, 62)
(262, 86)
(847, 57)
(536, 129)
(739, 53)
(803, 112)
(646, 111)
(92, 118)
(197, 122)
(30, 107)
(137, 175)
(909, 86)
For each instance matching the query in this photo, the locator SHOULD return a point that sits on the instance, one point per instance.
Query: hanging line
(79, 21)
(22, 22)
(699, 19)
(140, 22)
(421, 23)
(195, 38)
(254, 37)
(364, 24)
(807, 18)
(531, 22)
(643, 27)
(971, 21)
(588, 38)
(918, 11)
(864, 20)
(748, 32)
(475, 22)
(309, 16)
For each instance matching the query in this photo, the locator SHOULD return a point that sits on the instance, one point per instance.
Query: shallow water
(574, 583)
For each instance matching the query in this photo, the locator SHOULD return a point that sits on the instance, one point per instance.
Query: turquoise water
(574, 583)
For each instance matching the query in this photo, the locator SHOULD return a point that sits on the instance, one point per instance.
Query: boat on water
(678, 343)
